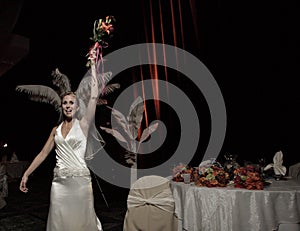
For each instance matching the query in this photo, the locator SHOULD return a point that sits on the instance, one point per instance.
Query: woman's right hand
(23, 187)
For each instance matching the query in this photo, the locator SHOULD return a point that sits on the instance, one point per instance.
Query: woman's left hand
(23, 187)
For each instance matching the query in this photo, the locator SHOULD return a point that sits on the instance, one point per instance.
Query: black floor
(29, 211)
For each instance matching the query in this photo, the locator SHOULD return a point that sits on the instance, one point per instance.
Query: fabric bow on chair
(150, 206)
(277, 166)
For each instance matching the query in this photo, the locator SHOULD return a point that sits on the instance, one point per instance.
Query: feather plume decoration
(61, 81)
(107, 76)
(101, 101)
(41, 93)
(110, 88)
(107, 90)
(45, 94)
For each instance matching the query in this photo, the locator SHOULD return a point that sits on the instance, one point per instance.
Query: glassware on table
(230, 164)
(231, 161)
(262, 164)
(186, 178)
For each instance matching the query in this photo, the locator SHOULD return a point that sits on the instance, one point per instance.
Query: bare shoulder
(54, 130)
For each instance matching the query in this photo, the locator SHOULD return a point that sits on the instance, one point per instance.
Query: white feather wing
(41, 93)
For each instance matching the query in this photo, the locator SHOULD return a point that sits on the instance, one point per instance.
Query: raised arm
(89, 114)
(38, 160)
(102, 31)
(91, 109)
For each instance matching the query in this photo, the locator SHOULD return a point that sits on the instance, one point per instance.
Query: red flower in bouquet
(106, 26)
(103, 30)
(248, 177)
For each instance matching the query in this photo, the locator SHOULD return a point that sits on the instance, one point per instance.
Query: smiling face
(69, 105)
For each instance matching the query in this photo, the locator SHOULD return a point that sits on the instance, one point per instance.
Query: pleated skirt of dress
(72, 205)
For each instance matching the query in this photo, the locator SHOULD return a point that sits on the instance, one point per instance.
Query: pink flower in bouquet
(177, 170)
(181, 169)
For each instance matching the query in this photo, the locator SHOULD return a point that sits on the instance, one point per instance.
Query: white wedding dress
(71, 199)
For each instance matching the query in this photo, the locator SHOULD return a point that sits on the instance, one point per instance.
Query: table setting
(234, 197)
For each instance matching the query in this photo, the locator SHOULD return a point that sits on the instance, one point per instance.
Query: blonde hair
(67, 93)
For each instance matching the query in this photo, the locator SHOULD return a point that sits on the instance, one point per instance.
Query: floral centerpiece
(248, 177)
(213, 176)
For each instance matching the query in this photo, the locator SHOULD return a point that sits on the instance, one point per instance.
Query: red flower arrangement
(248, 177)
(213, 176)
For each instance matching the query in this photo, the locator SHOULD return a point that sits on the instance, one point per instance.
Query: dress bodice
(70, 150)
(71, 199)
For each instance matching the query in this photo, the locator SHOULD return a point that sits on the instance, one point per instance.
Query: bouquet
(248, 177)
(101, 33)
(213, 176)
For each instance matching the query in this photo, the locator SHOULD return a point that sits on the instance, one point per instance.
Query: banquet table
(236, 209)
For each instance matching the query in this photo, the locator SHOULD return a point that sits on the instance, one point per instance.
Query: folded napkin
(207, 163)
(277, 166)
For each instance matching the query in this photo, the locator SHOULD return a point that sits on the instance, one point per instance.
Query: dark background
(250, 47)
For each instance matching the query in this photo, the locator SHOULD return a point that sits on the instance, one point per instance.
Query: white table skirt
(233, 209)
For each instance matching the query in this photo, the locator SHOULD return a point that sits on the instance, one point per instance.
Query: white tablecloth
(233, 209)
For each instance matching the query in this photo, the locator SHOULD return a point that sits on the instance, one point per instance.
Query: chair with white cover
(3, 185)
(150, 206)
(289, 227)
(294, 171)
